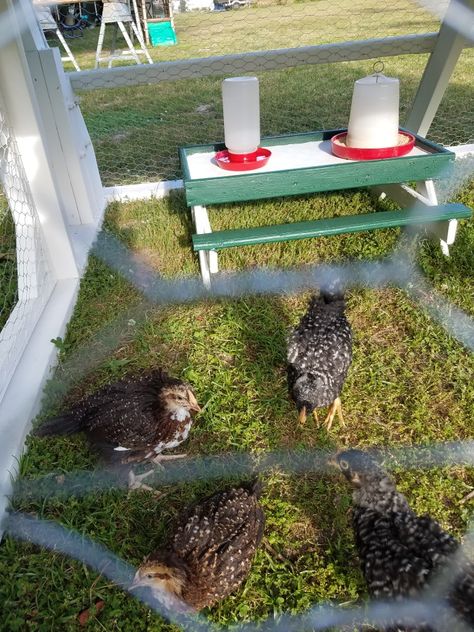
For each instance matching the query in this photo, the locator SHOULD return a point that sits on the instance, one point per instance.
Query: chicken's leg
(302, 416)
(135, 482)
(167, 457)
(336, 407)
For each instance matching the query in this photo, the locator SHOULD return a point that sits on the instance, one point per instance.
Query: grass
(410, 382)
(136, 131)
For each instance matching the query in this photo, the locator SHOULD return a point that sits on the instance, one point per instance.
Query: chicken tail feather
(63, 425)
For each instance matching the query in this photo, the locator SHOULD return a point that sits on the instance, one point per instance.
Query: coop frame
(39, 101)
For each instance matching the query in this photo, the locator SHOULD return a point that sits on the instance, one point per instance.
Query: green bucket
(161, 33)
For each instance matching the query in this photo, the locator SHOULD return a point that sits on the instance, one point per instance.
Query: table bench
(315, 169)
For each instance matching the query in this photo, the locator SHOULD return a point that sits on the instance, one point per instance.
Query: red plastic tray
(255, 161)
(340, 149)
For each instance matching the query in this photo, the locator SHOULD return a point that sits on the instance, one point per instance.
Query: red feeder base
(406, 142)
(243, 162)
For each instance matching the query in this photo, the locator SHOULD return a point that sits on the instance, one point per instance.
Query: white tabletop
(292, 156)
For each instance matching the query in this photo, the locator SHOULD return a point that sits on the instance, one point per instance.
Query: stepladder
(118, 14)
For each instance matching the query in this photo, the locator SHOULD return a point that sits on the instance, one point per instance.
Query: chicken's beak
(193, 402)
(137, 582)
(302, 415)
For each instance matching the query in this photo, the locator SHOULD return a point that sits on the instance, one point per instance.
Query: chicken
(211, 551)
(132, 420)
(401, 552)
(319, 354)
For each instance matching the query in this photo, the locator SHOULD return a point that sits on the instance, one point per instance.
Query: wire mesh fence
(25, 277)
(136, 132)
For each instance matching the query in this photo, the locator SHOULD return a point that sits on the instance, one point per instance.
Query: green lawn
(410, 382)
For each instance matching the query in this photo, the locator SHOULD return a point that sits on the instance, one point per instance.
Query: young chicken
(319, 354)
(401, 552)
(132, 420)
(211, 552)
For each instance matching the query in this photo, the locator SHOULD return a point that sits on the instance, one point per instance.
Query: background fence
(136, 130)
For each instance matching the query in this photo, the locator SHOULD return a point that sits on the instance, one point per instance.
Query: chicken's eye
(149, 575)
(344, 465)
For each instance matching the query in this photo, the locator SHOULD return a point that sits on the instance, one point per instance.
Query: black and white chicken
(319, 354)
(402, 553)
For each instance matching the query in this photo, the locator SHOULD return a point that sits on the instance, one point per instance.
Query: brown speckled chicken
(210, 553)
(132, 420)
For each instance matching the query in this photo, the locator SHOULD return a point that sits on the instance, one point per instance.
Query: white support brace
(441, 63)
(24, 115)
(425, 194)
(207, 259)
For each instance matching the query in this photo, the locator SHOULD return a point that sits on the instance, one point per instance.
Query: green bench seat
(331, 226)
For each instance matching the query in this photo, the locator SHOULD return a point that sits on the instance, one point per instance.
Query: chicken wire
(137, 129)
(25, 276)
(136, 136)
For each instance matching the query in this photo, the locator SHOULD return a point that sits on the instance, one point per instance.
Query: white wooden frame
(66, 193)
(443, 59)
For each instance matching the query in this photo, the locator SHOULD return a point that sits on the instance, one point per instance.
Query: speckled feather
(319, 353)
(128, 413)
(216, 542)
(400, 552)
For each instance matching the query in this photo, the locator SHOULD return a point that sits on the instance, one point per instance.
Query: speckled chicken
(132, 420)
(211, 552)
(401, 552)
(319, 354)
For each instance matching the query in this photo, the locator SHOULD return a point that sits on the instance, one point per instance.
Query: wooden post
(438, 71)
(25, 118)
(441, 63)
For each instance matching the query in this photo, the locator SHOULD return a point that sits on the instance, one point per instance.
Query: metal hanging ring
(378, 66)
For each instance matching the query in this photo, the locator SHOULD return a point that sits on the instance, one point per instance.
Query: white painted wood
(145, 22)
(129, 42)
(58, 164)
(69, 56)
(298, 155)
(208, 260)
(142, 191)
(445, 232)
(32, 34)
(100, 44)
(425, 194)
(462, 151)
(22, 399)
(142, 43)
(24, 116)
(137, 29)
(82, 238)
(440, 66)
(255, 62)
(77, 149)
